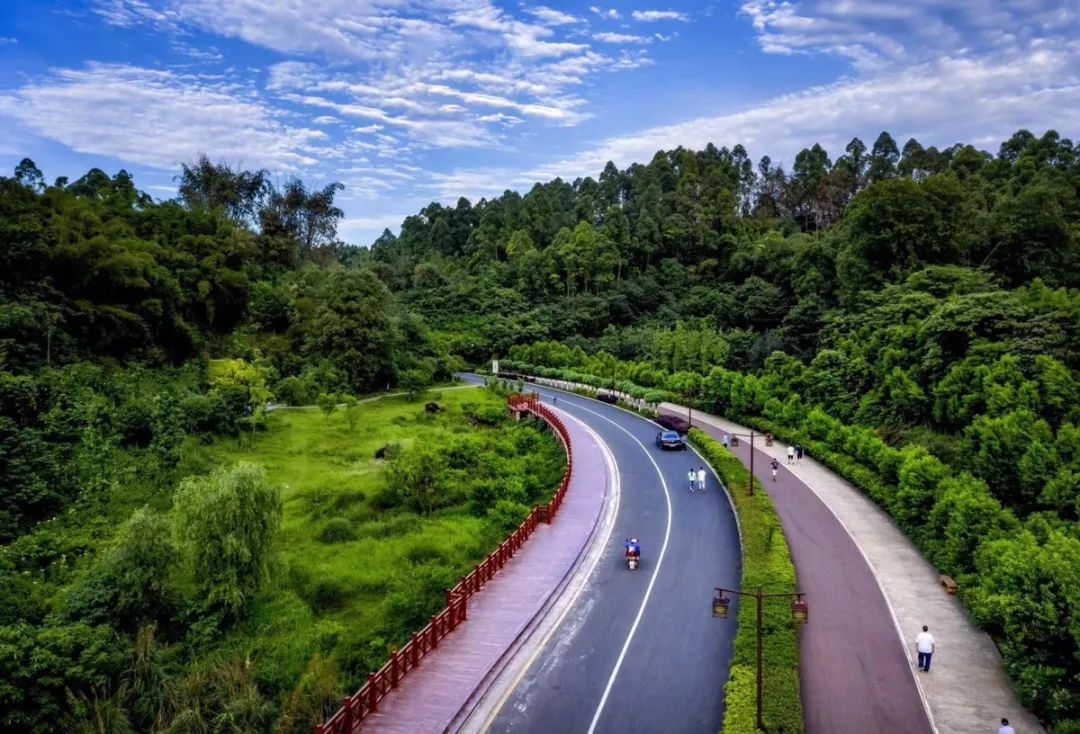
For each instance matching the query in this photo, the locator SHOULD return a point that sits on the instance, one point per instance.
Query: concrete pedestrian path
(967, 689)
(451, 679)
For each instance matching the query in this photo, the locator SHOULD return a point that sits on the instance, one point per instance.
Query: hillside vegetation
(911, 313)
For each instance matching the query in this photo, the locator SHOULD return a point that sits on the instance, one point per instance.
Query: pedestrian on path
(725, 439)
(775, 468)
(924, 644)
(791, 454)
(701, 478)
(692, 476)
(798, 452)
(1005, 728)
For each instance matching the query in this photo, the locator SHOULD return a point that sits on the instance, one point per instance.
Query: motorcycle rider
(632, 547)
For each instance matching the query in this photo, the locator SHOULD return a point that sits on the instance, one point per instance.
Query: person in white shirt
(791, 454)
(924, 644)
(701, 478)
(1005, 728)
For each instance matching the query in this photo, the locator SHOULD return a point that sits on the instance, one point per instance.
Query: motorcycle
(633, 554)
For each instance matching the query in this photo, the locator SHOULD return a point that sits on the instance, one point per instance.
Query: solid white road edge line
(652, 581)
(581, 577)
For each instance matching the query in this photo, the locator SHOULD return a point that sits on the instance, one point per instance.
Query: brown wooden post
(760, 671)
(347, 719)
(373, 692)
(751, 463)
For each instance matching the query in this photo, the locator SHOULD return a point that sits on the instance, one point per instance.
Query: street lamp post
(800, 612)
(751, 437)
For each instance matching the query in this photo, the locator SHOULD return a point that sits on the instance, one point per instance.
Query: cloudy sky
(409, 101)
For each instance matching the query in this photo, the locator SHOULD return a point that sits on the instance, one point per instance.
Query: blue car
(670, 440)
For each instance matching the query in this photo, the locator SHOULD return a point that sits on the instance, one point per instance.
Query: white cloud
(652, 16)
(501, 118)
(550, 16)
(326, 119)
(159, 118)
(397, 61)
(875, 34)
(360, 229)
(610, 13)
(1037, 89)
(621, 38)
(479, 99)
(6, 40)
(436, 133)
(439, 99)
(209, 55)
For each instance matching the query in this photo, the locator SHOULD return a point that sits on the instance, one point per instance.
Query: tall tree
(883, 158)
(211, 186)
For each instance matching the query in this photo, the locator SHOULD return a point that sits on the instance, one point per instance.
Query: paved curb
(475, 683)
(956, 711)
(480, 711)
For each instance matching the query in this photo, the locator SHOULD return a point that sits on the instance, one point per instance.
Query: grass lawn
(355, 572)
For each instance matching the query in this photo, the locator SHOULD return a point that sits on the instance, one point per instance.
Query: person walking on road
(692, 476)
(701, 478)
(791, 454)
(724, 439)
(924, 645)
(775, 468)
(1006, 728)
(798, 453)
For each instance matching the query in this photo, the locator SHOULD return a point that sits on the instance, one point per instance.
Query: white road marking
(652, 580)
(615, 478)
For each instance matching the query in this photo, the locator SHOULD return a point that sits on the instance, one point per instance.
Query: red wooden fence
(358, 706)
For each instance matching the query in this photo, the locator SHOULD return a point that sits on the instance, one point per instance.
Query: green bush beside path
(766, 564)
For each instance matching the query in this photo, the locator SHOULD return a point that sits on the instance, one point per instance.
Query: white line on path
(652, 580)
(582, 576)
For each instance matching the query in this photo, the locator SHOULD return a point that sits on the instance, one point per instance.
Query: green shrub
(327, 594)
(293, 391)
(766, 563)
(337, 530)
(507, 514)
(130, 583)
(228, 522)
(424, 551)
(485, 415)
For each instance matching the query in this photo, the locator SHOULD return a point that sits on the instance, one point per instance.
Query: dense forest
(911, 313)
(130, 564)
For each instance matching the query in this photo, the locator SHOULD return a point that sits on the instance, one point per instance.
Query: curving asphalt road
(640, 652)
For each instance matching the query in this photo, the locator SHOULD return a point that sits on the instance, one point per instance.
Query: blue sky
(409, 101)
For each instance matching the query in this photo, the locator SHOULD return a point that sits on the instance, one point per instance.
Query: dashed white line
(652, 580)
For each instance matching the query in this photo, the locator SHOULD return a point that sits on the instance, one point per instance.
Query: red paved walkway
(854, 673)
(433, 694)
